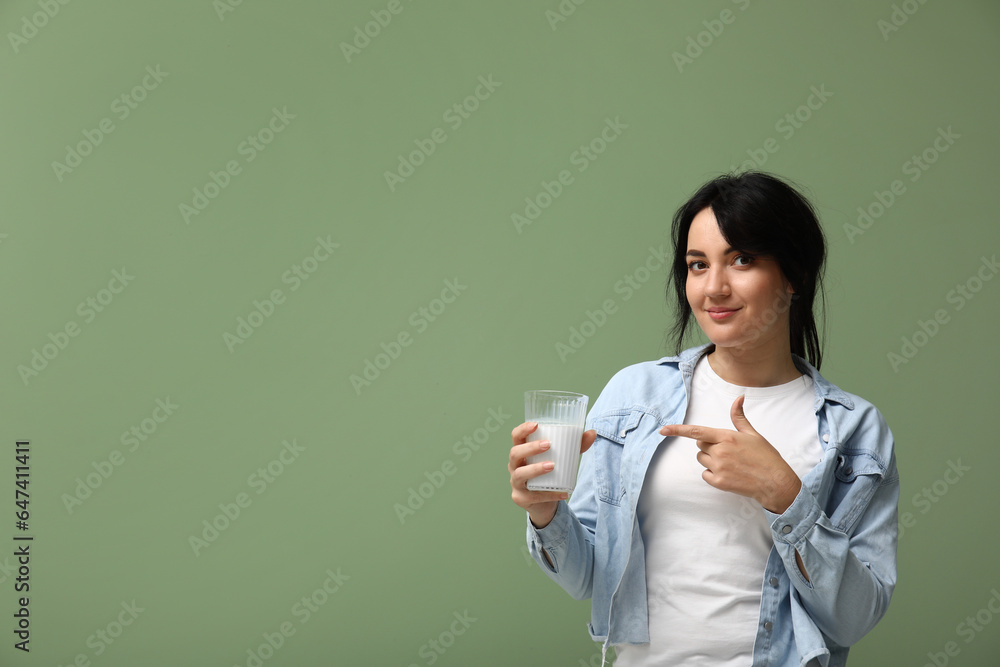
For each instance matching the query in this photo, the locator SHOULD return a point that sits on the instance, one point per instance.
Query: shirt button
(826, 437)
(786, 529)
(622, 434)
(768, 625)
(773, 581)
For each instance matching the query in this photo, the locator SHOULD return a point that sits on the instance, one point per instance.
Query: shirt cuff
(554, 534)
(792, 525)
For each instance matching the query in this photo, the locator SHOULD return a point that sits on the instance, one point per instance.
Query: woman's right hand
(540, 505)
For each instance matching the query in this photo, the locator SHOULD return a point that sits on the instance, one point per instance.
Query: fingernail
(548, 466)
(545, 444)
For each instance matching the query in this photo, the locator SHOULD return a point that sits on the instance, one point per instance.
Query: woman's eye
(696, 265)
(743, 260)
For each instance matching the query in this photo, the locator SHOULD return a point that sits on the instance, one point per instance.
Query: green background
(364, 448)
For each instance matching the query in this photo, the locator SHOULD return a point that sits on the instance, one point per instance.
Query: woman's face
(739, 301)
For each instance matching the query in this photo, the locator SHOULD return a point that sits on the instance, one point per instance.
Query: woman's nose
(717, 283)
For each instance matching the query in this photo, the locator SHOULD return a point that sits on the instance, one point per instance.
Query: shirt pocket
(614, 430)
(856, 478)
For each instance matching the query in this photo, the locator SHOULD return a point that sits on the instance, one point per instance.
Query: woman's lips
(721, 313)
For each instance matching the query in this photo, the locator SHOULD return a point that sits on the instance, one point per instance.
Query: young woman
(733, 507)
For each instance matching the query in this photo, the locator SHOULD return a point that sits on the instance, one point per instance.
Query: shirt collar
(825, 390)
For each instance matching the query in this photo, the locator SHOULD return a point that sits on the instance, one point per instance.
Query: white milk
(564, 452)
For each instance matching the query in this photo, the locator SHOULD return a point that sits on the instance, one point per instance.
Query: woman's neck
(758, 367)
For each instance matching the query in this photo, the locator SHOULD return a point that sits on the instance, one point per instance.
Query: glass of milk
(561, 416)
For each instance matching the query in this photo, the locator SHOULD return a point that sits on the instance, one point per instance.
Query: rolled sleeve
(551, 538)
(569, 546)
(790, 528)
(851, 577)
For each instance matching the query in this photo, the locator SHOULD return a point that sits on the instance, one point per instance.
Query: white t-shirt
(706, 549)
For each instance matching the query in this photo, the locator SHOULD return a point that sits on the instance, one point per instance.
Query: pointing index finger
(702, 433)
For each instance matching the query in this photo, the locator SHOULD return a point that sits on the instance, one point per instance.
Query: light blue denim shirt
(843, 522)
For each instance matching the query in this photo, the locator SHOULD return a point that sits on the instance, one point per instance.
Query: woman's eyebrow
(699, 253)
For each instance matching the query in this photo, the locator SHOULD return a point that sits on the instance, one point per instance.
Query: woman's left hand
(742, 461)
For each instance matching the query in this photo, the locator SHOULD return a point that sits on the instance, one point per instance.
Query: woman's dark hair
(759, 214)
